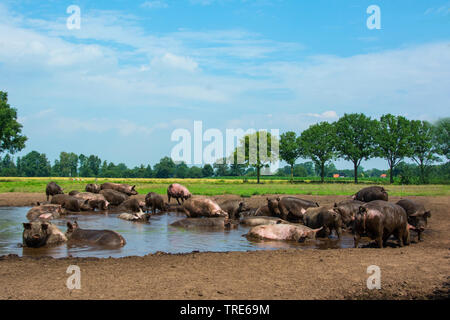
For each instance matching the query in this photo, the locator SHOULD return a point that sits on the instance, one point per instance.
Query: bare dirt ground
(418, 271)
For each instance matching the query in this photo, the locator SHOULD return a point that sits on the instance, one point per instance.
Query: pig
(370, 194)
(257, 221)
(379, 220)
(154, 201)
(135, 217)
(417, 215)
(213, 223)
(73, 192)
(323, 217)
(124, 188)
(45, 212)
(114, 197)
(38, 234)
(95, 200)
(93, 188)
(287, 232)
(234, 208)
(289, 208)
(106, 238)
(347, 209)
(203, 207)
(101, 205)
(52, 189)
(178, 192)
(130, 205)
(71, 203)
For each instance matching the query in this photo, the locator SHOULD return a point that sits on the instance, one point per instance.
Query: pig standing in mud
(123, 188)
(45, 212)
(130, 205)
(114, 197)
(37, 234)
(371, 194)
(203, 207)
(379, 220)
(213, 223)
(52, 189)
(347, 210)
(71, 203)
(234, 208)
(178, 192)
(323, 217)
(154, 201)
(417, 215)
(286, 232)
(106, 238)
(289, 208)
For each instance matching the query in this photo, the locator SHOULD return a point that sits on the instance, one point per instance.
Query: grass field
(220, 186)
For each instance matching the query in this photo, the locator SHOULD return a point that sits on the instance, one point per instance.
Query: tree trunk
(422, 172)
(258, 169)
(356, 171)
(391, 178)
(322, 171)
(292, 173)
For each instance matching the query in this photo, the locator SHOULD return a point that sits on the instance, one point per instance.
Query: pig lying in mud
(234, 208)
(379, 220)
(417, 215)
(93, 188)
(106, 238)
(73, 193)
(177, 191)
(154, 201)
(348, 210)
(130, 205)
(286, 232)
(253, 212)
(114, 197)
(135, 216)
(45, 212)
(371, 194)
(289, 208)
(203, 207)
(257, 221)
(123, 188)
(38, 234)
(323, 217)
(213, 223)
(95, 201)
(52, 189)
(71, 203)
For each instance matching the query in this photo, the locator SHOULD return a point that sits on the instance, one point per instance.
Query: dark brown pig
(52, 189)
(37, 234)
(114, 197)
(323, 217)
(379, 220)
(289, 208)
(73, 193)
(45, 212)
(178, 192)
(154, 201)
(348, 210)
(71, 203)
(93, 188)
(371, 194)
(130, 205)
(106, 238)
(203, 207)
(208, 223)
(234, 208)
(124, 188)
(417, 215)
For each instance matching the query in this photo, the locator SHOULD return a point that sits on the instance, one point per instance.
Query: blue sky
(137, 70)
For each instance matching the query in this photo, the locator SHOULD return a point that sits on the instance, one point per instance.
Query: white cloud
(173, 61)
(156, 4)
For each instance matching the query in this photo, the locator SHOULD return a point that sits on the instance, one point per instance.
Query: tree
(355, 139)
(392, 140)
(207, 171)
(68, 163)
(422, 146)
(195, 172)
(289, 149)
(442, 137)
(317, 143)
(181, 170)
(256, 151)
(11, 139)
(221, 167)
(35, 164)
(165, 168)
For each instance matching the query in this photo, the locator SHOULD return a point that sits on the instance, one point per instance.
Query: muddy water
(143, 239)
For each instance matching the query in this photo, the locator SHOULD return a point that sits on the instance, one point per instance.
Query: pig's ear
(335, 205)
(44, 226)
(132, 188)
(38, 203)
(427, 214)
(86, 201)
(362, 209)
(27, 225)
(69, 225)
(278, 199)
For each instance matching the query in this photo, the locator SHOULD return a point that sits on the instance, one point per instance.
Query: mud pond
(143, 239)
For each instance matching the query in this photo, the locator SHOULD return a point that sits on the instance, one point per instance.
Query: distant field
(221, 186)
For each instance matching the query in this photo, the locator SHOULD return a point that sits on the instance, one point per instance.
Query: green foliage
(11, 139)
(289, 149)
(442, 137)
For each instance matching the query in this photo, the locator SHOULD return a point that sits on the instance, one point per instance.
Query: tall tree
(35, 164)
(256, 151)
(289, 149)
(207, 171)
(423, 150)
(165, 168)
(392, 140)
(11, 139)
(318, 143)
(221, 167)
(442, 137)
(355, 139)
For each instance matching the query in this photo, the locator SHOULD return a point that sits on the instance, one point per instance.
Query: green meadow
(222, 186)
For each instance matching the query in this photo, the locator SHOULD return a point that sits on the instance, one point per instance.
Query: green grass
(221, 186)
